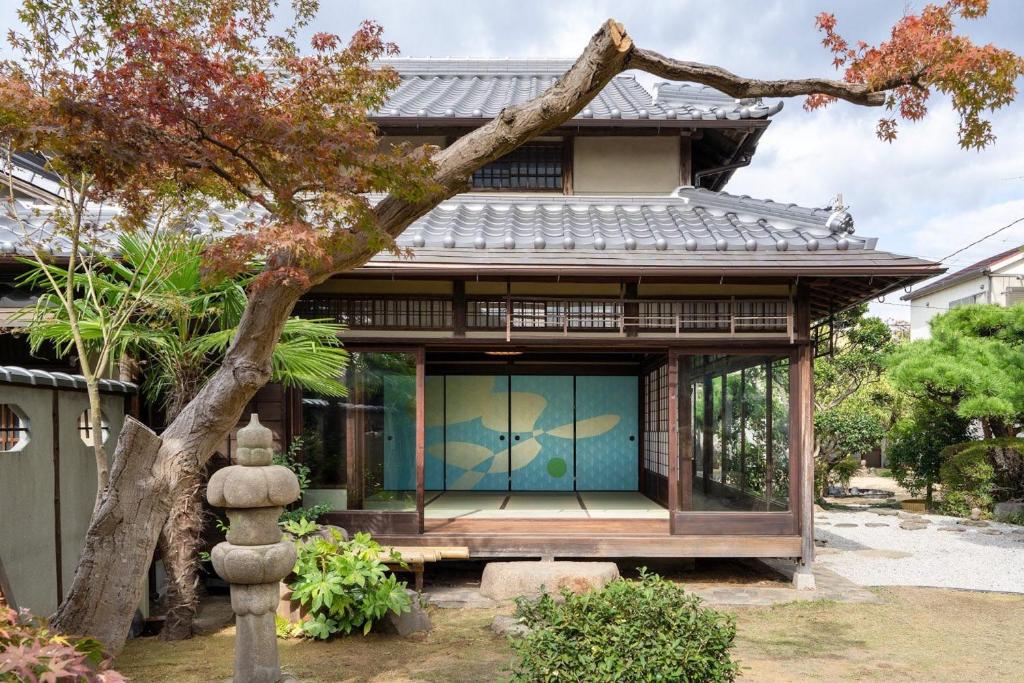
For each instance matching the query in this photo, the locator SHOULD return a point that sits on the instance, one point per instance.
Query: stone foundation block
(507, 580)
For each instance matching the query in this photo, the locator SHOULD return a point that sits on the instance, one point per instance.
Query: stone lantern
(255, 556)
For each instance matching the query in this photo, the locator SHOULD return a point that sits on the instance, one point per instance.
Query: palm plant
(180, 329)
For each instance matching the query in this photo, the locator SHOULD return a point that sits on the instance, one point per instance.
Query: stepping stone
(507, 580)
(956, 529)
(823, 524)
(886, 512)
(505, 625)
(846, 525)
(909, 515)
(911, 525)
(876, 524)
(991, 532)
(973, 522)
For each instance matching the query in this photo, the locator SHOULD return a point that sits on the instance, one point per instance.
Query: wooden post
(685, 434)
(769, 440)
(421, 379)
(801, 404)
(708, 446)
(673, 437)
(459, 308)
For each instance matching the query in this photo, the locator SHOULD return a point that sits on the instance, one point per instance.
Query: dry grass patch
(919, 634)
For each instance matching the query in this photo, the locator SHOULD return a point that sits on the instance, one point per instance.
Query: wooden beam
(802, 430)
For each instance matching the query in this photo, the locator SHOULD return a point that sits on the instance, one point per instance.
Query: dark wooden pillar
(421, 376)
(459, 308)
(769, 440)
(673, 437)
(708, 446)
(631, 308)
(801, 406)
(355, 445)
(685, 434)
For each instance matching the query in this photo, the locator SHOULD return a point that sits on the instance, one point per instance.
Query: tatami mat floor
(581, 505)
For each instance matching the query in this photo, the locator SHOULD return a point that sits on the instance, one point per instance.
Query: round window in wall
(13, 428)
(85, 427)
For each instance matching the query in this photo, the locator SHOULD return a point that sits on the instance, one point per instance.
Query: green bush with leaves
(980, 473)
(344, 586)
(968, 479)
(292, 461)
(643, 630)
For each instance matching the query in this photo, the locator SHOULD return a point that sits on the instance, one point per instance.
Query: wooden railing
(568, 316)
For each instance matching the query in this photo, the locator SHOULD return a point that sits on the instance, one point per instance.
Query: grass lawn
(919, 634)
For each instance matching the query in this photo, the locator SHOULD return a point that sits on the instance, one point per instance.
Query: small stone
(416, 620)
(886, 512)
(1003, 511)
(975, 514)
(908, 515)
(911, 525)
(955, 529)
(505, 625)
(991, 532)
(973, 522)
(875, 524)
(846, 525)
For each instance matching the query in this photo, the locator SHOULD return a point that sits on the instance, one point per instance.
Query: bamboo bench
(415, 557)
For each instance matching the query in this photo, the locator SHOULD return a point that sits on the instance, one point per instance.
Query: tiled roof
(691, 220)
(473, 88)
(970, 271)
(12, 374)
(691, 230)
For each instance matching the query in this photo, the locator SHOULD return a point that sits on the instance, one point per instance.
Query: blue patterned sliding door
(475, 446)
(542, 433)
(607, 449)
(433, 433)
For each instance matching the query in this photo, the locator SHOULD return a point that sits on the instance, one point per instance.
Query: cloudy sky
(921, 195)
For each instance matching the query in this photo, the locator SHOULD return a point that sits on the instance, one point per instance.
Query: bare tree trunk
(180, 542)
(182, 534)
(151, 472)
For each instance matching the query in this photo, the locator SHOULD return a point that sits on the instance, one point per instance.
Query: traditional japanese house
(596, 351)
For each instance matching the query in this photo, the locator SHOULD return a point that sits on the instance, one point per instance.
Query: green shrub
(291, 460)
(344, 586)
(967, 479)
(644, 630)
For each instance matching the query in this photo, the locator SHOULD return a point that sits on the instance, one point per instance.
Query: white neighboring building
(998, 279)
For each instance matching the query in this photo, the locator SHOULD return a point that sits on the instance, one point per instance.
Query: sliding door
(476, 421)
(607, 449)
(541, 408)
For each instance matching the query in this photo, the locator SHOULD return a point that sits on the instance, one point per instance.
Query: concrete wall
(626, 165)
(28, 528)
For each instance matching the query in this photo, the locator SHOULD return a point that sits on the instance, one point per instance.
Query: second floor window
(535, 166)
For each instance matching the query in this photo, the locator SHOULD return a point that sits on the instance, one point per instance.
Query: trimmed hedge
(644, 630)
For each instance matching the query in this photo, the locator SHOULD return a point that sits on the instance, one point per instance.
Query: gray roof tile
(12, 374)
(474, 88)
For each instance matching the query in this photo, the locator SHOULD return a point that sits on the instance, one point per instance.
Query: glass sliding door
(739, 419)
(361, 448)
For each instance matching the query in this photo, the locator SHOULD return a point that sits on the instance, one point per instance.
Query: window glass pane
(536, 166)
(741, 434)
(361, 449)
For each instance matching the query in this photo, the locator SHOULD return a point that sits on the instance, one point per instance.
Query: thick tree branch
(740, 87)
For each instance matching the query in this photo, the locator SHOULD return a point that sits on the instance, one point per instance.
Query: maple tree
(201, 101)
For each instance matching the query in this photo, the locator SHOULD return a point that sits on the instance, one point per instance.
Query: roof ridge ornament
(839, 222)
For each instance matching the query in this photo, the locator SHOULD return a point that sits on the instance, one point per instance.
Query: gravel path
(872, 550)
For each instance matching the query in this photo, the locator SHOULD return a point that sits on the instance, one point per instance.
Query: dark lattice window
(13, 428)
(536, 166)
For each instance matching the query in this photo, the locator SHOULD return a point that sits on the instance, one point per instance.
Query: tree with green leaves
(178, 331)
(915, 452)
(852, 406)
(973, 365)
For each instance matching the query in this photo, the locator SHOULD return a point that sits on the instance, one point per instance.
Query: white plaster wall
(626, 165)
(931, 305)
(27, 528)
(26, 505)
